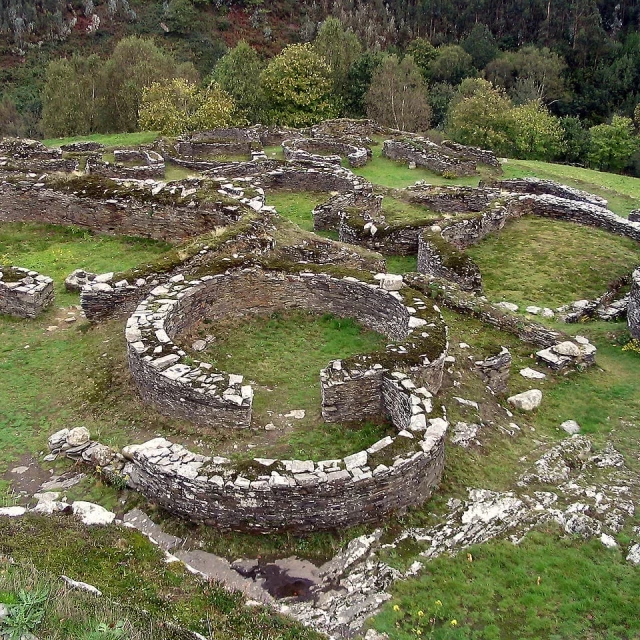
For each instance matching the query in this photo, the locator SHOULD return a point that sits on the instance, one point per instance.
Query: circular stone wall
(297, 495)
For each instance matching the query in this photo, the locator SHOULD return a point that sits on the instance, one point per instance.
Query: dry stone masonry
(24, 293)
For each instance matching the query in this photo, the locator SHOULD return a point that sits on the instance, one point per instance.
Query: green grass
(283, 354)
(296, 206)
(622, 192)
(398, 211)
(139, 586)
(397, 175)
(56, 251)
(401, 264)
(546, 587)
(108, 139)
(535, 261)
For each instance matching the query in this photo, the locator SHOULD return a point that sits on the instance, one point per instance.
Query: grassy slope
(283, 354)
(134, 577)
(536, 261)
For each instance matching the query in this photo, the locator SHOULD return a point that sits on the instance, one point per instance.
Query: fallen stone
(91, 513)
(634, 554)
(509, 306)
(527, 400)
(570, 426)
(532, 374)
(78, 436)
(567, 348)
(81, 586)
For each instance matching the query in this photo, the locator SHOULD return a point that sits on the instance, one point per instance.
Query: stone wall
(451, 199)
(327, 149)
(424, 153)
(481, 156)
(211, 149)
(24, 293)
(633, 308)
(539, 187)
(580, 212)
(495, 370)
(214, 398)
(149, 167)
(105, 206)
(328, 215)
(441, 260)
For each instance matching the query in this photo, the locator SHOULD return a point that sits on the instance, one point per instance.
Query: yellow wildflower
(420, 614)
(438, 603)
(454, 623)
(396, 607)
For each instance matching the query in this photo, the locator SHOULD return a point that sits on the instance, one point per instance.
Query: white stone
(91, 513)
(81, 586)
(78, 436)
(527, 400)
(356, 460)
(414, 322)
(297, 414)
(509, 306)
(391, 282)
(12, 512)
(634, 554)
(547, 313)
(533, 310)
(570, 426)
(608, 541)
(567, 348)
(104, 277)
(235, 379)
(532, 374)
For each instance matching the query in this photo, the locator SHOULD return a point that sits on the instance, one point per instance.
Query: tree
(359, 81)
(135, 64)
(577, 140)
(340, 48)
(537, 135)
(423, 54)
(452, 65)
(239, 73)
(397, 96)
(298, 87)
(179, 106)
(481, 117)
(480, 45)
(181, 16)
(612, 145)
(71, 96)
(529, 74)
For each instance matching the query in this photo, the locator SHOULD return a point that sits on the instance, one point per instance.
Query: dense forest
(573, 66)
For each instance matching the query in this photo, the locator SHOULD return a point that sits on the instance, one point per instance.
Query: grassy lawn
(139, 586)
(622, 192)
(108, 139)
(535, 261)
(296, 206)
(546, 587)
(56, 251)
(283, 355)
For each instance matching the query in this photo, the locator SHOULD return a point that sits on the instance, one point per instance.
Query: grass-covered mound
(536, 261)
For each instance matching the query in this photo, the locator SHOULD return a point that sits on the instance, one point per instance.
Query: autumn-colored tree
(397, 96)
(298, 87)
(179, 106)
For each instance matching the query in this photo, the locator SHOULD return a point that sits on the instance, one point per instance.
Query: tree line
(472, 91)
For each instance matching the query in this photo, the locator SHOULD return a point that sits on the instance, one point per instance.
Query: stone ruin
(400, 384)
(138, 164)
(24, 293)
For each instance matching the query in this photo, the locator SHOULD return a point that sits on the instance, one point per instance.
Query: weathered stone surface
(532, 374)
(91, 513)
(495, 370)
(527, 400)
(570, 426)
(24, 293)
(633, 308)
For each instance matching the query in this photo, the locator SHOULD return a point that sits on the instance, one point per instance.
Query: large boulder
(527, 400)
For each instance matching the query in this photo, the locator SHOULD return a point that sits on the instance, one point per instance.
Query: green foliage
(528, 74)
(480, 45)
(481, 116)
(358, 82)
(83, 95)
(423, 54)
(298, 87)
(452, 65)
(577, 140)
(612, 145)
(181, 16)
(340, 48)
(25, 614)
(71, 96)
(397, 96)
(239, 74)
(179, 106)
(537, 135)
